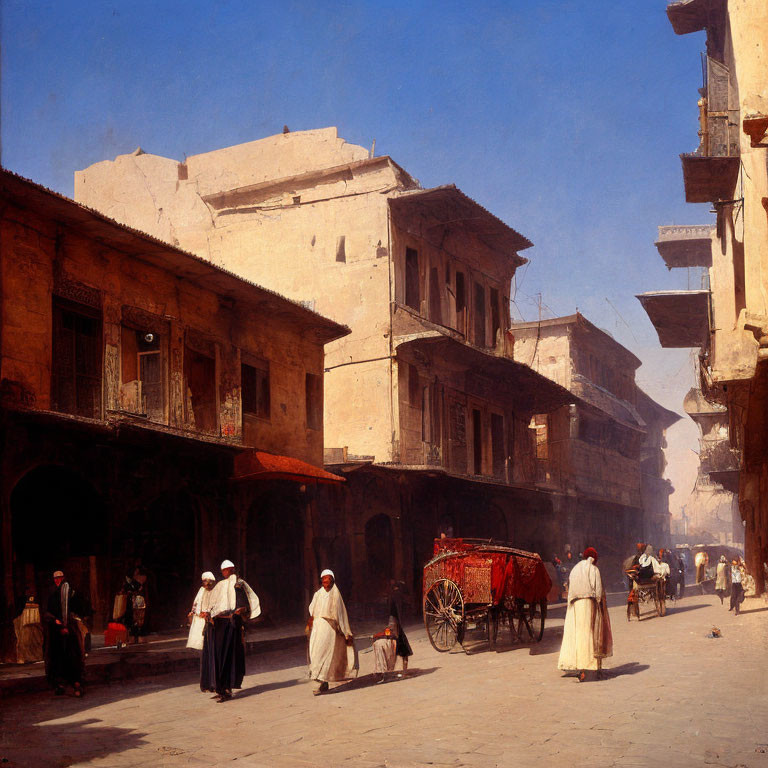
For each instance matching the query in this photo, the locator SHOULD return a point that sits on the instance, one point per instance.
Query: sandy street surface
(674, 698)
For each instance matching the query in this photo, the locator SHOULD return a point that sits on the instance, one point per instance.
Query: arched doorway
(379, 548)
(58, 520)
(162, 538)
(275, 552)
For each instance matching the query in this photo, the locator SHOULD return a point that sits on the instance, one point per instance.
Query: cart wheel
(444, 614)
(493, 627)
(531, 624)
(537, 617)
(662, 599)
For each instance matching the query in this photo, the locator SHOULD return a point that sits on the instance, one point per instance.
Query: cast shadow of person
(366, 681)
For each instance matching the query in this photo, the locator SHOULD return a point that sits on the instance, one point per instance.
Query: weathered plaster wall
(323, 241)
(38, 260)
(546, 350)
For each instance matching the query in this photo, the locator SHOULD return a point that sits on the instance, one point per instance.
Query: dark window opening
(412, 292)
(498, 457)
(495, 317)
(435, 310)
(461, 304)
(76, 360)
(477, 442)
(540, 423)
(341, 249)
(143, 377)
(314, 401)
(255, 389)
(200, 379)
(479, 315)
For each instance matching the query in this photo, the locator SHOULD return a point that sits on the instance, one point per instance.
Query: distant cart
(485, 583)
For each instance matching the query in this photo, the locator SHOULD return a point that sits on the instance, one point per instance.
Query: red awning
(258, 465)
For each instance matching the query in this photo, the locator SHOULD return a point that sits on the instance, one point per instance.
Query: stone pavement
(674, 698)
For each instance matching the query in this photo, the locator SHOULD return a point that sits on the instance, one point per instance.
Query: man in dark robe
(232, 604)
(64, 637)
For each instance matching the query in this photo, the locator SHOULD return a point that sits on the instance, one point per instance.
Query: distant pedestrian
(722, 578)
(331, 644)
(65, 637)
(701, 561)
(737, 586)
(587, 637)
(391, 643)
(232, 602)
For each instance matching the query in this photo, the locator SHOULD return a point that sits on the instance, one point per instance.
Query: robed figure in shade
(232, 603)
(64, 637)
(201, 632)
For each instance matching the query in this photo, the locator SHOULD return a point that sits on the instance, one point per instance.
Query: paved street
(674, 698)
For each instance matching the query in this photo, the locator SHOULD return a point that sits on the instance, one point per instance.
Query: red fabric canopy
(258, 465)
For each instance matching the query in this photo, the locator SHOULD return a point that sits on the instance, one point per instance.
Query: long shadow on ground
(366, 681)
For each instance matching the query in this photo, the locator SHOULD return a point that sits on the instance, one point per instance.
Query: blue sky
(563, 117)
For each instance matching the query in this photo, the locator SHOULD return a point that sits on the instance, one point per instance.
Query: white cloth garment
(587, 637)
(646, 560)
(202, 604)
(224, 599)
(329, 656)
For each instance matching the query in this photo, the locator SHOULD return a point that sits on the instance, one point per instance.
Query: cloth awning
(258, 465)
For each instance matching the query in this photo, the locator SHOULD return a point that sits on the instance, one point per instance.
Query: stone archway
(380, 553)
(59, 521)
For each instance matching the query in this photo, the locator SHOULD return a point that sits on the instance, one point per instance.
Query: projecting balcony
(718, 456)
(685, 246)
(688, 16)
(681, 318)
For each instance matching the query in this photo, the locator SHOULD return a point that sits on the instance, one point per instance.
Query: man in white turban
(200, 631)
(331, 646)
(232, 602)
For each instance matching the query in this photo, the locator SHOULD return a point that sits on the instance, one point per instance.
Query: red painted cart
(481, 582)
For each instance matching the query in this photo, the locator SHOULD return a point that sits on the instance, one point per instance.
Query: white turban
(227, 564)
(328, 572)
(207, 576)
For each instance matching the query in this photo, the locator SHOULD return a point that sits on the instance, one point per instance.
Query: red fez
(590, 552)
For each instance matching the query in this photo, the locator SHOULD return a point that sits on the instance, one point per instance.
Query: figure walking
(232, 603)
(201, 630)
(65, 637)
(331, 646)
(587, 637)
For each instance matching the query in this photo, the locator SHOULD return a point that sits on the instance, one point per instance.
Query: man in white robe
(232, 602)
(331, 647)
(587, 637)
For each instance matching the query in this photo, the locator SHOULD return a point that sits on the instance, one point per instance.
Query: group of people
(731, 578)
(217, 628)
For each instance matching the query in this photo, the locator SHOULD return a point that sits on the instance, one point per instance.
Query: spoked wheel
(493, 627)
(444, 615)
(537, 615)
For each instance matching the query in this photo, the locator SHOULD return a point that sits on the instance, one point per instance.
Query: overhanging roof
(533, 390)
(258, 465)
(709, 179)
(681, 318)
(24, 193)
(449, 206)
(686, 246)
(688, 16)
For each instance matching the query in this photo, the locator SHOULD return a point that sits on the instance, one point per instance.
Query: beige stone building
(425, 411)
(605, 449)
(727, 317)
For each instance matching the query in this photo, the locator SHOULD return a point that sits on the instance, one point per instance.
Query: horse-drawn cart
(650, 594)
(482, 583)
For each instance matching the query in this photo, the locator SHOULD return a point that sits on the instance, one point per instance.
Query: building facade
(605, 450)
(426, 415)
(728, 318)
(156, 410)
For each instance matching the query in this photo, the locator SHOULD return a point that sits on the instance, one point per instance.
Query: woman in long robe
(331, 649)
(200, 636)
(587, 637)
